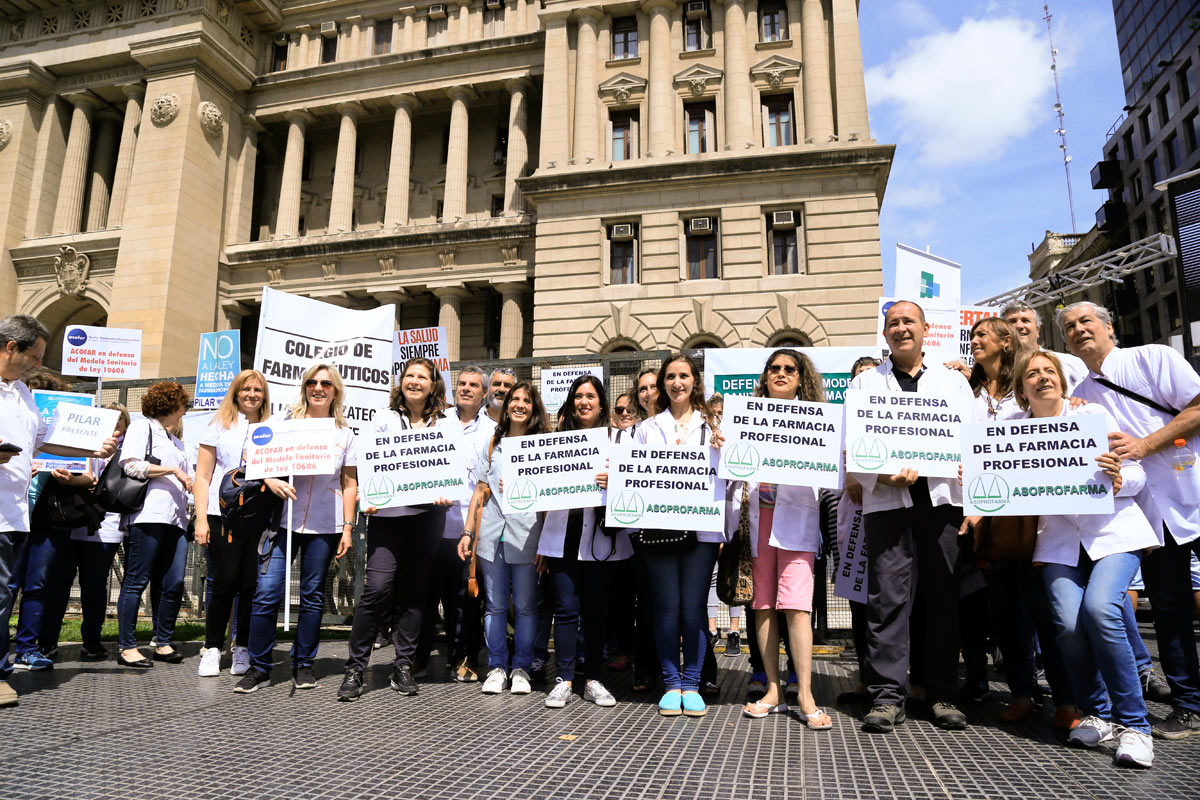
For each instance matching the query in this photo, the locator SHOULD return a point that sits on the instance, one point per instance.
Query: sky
(965, 92)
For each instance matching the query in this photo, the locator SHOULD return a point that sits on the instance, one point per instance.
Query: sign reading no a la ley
(789, 442)
(219, 363)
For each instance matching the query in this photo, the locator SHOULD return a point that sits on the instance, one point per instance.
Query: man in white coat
(1028, 325)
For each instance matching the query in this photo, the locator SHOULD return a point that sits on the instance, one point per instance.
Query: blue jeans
(10, 543)
(43, 548)
(680, 587)
(1167, 572)
(93, 560)
(154, 551)
(1087, 602)
(316, 551)
(1140, 654)
(499, 579)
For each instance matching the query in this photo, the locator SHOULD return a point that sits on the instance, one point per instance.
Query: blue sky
(965, 92)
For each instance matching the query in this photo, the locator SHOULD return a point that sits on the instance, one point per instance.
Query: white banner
(423, 343)
(280, 448)
(81, 426)
(399, 467)
(1036, 466)
(851, 579)
(557, 382)
(949, 337)
(102, 352)
(554, 470)
(888, 431)
(736, 370)
(295, 332)
(656, 486)
(790, 442)
(927, 278)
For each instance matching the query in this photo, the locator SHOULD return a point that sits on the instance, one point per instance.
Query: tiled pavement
(88, 730)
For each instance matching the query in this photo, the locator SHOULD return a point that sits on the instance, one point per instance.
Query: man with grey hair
(1154, 394)
(1026, 321)
(500, 384)
(22, 433)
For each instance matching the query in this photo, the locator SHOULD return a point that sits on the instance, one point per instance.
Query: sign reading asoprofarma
(555, 470)
(791, 442)
(675, 488)
(410, 466)
(890, 431)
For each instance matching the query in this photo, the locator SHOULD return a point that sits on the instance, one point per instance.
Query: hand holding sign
(83, 427)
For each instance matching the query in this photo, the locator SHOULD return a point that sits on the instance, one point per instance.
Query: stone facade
(541, 178)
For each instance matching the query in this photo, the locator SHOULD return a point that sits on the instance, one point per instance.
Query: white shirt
(939, 381)
(20, 424)
(1123, 531)
(1161, 374)
(986, 408)
(662, 429)
(228, 444)
(166, 499)
(318, 504)
(1076, 370)
(476, 433)
(795, 526)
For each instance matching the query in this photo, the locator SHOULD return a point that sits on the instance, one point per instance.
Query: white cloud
(914, 15)
(964, 96)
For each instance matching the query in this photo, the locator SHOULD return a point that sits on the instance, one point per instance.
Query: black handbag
(735, 567)
(63, 506)
(663, 542)
(247, 506)
(115, 491)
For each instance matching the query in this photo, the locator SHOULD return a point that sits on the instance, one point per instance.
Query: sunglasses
(313, 382)
(786, 369)
(622, 409)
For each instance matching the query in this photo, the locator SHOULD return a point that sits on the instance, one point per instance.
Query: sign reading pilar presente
(790, 442)
(890, 431)
(554, 470)
(655, 486)
(407, 467)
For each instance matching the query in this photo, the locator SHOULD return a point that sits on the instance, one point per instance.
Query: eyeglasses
(311, 382)
(786, 369)
(622, 409)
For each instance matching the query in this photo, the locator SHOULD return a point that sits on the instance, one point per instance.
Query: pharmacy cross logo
(988, 493)
(928, 287)
(380, 490)
(742, 460)
(523, 494)
(869, 452)
(628, 507)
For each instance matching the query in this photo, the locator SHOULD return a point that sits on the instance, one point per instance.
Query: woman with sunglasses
(785, 537)
(679, 577)
(401, 545)
(624, 413)
(580, 556)
(323, 514)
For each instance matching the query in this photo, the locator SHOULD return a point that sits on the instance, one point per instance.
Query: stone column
(512, 318)
(287, 225)
(68, 214)
(454, 201)
(104, 159)
(555, 136)
(818, 94)
(848, 72)
(129, 135)
(517, 158)
(739, 130)
(356, 45)
(295, 56)
(341, 202)
(587, 111)
(662, 95)
(450, 317)
(462, 26)
(395, 213)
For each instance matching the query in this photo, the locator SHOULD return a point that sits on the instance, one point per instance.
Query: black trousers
(234, 564)
(913, 554)
(462, 615)
(645, 654)
(400, 554)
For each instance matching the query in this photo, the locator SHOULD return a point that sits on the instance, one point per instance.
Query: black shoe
(142, 663)
(973, 691)
(1181, 724)
(709, 689)
(1154, 687)
(537, 674)
(883, 718)
(947, 717)
(251, 681)
(173, 657)
(303, 678)
(93, 652)
(733, 644)
(352, 685)
(402, 681)
(382, 640)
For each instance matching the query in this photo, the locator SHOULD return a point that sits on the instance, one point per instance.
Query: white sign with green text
(400, 466)
(554, 470)
(672, 488)
(789, 442)
(890, 431)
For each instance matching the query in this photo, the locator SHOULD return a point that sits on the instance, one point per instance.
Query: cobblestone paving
(86, 730)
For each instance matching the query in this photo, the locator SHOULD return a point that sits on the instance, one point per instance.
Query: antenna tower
(1061, 131)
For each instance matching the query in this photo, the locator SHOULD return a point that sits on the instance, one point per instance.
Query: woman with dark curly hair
(157, 548)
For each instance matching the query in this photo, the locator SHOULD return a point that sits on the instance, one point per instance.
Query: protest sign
(790, 442)
(424, 343)
(296, 332)
(927, 278)
(557, 382)
(47, 402)
(408, 467)
(219, 362)
(277, 449)
(83, 427)
(889, 431)
(98, 352)
(554, 470)
(949, 336)
(736, 370)
(1036, 466)
(851, 579)
(655, 486)
(194, 425)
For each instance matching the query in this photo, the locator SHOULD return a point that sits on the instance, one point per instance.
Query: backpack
(247, 506)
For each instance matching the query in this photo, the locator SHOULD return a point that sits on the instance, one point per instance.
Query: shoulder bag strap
(1132, 395)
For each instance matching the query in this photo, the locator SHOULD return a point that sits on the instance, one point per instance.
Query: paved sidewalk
(86, 730)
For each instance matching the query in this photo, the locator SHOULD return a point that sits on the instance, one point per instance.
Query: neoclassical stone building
(544, 177)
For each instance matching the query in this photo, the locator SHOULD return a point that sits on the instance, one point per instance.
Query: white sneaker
(495, 682)
(241, 661)
(595, 692)
(519, 682)
(1134, 749)
(1091, 732)
(560, 695)
(210, 662)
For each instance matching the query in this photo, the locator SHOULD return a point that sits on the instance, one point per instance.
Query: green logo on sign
(523, 494)
(988, 492)
(869, 452)
(742, 460)
(380, 490)
(628, 507)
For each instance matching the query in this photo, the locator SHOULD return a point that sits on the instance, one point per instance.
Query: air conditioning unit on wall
(437, 11)
(329, 29)
(621, 233)
(494, 5)
(696, 9)
(700, 225)
(281, 38)
(783, 220)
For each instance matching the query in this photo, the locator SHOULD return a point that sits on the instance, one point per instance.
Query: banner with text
(96, 352)
(927, 278)
(423, 343)
(554, 470)
(409, 467)
(295, 332)
(277, 449)
(1036, 466)
(81, 426)
(888, 431)
(851, 579)
(219, 363)
(949, 337)
(790, 442)
(673, 488)
(736, 370)
(557, 382)
(47, 402)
